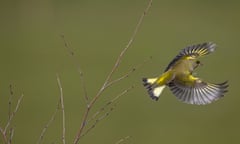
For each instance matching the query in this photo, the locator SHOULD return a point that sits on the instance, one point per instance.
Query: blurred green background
(32, 52)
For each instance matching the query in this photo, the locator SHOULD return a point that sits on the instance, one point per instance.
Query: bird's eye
(198, 62)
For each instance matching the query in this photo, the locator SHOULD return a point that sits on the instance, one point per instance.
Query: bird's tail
(153, 88)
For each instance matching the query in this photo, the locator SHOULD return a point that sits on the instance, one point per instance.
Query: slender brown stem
(47, 125)
(126, 74)
(103, 108)
(72, 54)
(98, 120)
(109, 103)
(120, 78)
(85, 116)
(119, 59)
(122, 139)
(13, 113)
(10, 101)
(63, 111)
(105, 84)
(5, 140)
(83, 85)
(11, 135)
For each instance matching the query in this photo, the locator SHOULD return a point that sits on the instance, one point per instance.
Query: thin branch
(10, 112)
(109, 103)
(83, 85)
(127, 74)
(63, 111)
(118, 61)
(122, 139)
(5, 140)
(98, 120)
(13, 113)
(10, 101)
(59, 104)
(70, 50)
(120, 78)
(72, 54)
(11, 133)
(48, 124)
(106, 113)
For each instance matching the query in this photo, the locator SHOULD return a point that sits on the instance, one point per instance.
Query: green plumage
(178, 77)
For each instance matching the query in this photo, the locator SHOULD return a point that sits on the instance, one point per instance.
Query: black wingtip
(149, 88)
(224, 86)
(154, 98)
(145, 83)
(144, 80)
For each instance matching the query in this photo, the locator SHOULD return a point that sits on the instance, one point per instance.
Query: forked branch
(13, 114)
(73, 56)
(4, 136)
(106, 82)
(97, 117)
(6, 130)
(40, 140)
(60, 106)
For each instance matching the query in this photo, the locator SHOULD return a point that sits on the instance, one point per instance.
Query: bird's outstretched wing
(193, 50)
(199, 92)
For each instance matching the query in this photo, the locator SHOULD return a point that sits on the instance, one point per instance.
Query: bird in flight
(178, 76)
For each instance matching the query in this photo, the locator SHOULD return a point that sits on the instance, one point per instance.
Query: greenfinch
(178, 76)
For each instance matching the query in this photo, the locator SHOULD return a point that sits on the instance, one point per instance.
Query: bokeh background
(32, 52)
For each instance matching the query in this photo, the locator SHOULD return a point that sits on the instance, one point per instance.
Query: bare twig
(4, 132)
(120, 78)
(119, 59)
(106, 113)
(109, 103)
(103, 109)
(98, 120)
(5, 140)
(48, 124)
(60, 104)
(13, 113)
(10, 113)
(122, 139)
(11, 133)
(72, 54)
(10, 101)
(83, 85)
(63, 111)
(127, 74)
(70, 50)
(105, 84)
